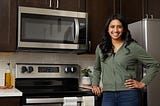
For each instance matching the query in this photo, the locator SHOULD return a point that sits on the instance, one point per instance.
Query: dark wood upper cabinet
(8, 24)
(152, 9)
(35, 3)
(132, 10)
(71, 5)
(98, 12)
(82, 5)
(66, 5)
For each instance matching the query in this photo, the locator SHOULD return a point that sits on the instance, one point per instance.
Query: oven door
(64, 101)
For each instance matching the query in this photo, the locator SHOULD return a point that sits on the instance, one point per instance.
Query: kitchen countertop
(10, 92)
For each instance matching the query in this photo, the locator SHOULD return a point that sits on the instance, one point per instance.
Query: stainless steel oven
(49, 29)
(51, 85)
(58, 101)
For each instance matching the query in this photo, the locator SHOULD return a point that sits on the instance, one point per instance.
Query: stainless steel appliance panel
(40, 28)
(29, 70)
(51, 85)
(51, 101)
(146, 32)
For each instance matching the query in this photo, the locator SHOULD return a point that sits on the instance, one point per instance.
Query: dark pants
(121, 98)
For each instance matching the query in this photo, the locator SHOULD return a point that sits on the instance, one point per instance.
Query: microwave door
(76, 35)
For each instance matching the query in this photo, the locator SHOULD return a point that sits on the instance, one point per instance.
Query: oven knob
(67, 69)
(30, 69)
(73, 69)
(24, 69)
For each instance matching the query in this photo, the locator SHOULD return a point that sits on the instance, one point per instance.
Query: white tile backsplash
(2, 77)
(55, 58)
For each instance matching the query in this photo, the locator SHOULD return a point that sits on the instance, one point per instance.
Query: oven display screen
(48, 69)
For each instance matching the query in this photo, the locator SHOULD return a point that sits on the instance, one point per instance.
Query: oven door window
(49, 29)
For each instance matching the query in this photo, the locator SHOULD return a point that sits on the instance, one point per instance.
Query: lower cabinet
(98, 100)
(9, 101)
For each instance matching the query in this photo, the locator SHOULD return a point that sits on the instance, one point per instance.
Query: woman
(117, 57)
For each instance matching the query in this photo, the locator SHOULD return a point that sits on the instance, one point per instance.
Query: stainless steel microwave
(49, 29)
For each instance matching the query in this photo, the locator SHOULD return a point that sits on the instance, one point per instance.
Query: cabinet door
(71, 5)
(35, 3)
(8, 25)
(82, 5)
(132, 10)
(10, 101)
(153, 8)
(98, 12)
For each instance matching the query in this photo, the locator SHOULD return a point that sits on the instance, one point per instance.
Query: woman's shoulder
(98, 47)
(136, 47)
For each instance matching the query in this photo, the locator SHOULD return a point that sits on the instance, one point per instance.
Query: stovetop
(53, 93)
(49, 80)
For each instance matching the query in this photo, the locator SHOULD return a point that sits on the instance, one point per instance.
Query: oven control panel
(26, 70)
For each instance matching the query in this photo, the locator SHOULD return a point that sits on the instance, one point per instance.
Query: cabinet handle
(147, 16)
(89, 46)
(57, 6)
(50, 3)
(151, 16)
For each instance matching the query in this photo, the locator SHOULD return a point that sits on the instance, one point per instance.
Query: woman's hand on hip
(97, 90)
(131, 83)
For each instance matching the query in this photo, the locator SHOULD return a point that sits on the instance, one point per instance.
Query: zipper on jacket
(114, 72)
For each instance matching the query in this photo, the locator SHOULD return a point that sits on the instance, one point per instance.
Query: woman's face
(115, 29)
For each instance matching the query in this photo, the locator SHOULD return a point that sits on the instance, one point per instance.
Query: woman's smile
(115, 29)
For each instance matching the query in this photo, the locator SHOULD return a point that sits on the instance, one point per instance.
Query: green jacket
(121, 66)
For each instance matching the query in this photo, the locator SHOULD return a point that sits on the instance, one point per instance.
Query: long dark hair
(106, 45)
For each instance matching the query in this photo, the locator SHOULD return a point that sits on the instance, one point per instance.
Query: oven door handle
(48, 100)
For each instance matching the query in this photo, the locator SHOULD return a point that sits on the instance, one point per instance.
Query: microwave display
(41, 28)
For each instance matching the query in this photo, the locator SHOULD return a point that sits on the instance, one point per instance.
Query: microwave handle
(76, 36)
